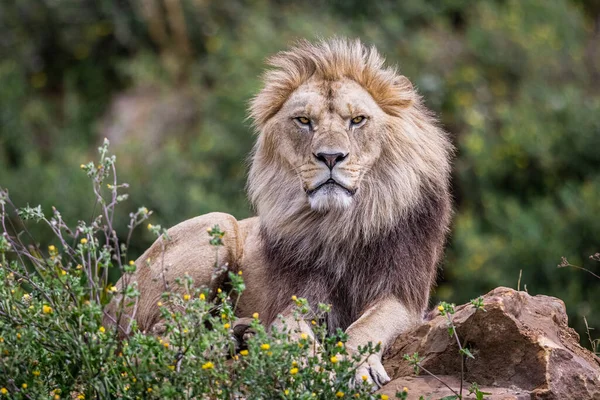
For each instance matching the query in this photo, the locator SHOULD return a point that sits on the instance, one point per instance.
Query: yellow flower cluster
(208, 365)
(265, 346)
(46, 309)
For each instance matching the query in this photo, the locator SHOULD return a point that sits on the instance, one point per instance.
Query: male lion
(349, 179)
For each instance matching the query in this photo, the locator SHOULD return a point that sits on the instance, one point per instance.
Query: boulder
(522, 345)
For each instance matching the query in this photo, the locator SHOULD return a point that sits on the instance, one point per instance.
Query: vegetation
(53, 343)
(515, 82)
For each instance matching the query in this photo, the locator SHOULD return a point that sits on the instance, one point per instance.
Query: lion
(349, 178)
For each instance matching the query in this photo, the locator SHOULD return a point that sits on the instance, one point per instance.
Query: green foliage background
(516, 83)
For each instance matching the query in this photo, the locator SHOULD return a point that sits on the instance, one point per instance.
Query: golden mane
(330, 60)
(414, 164)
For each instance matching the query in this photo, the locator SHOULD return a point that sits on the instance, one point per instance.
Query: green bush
(53, 344)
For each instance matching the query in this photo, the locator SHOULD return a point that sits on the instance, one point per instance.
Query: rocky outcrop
(522, 345)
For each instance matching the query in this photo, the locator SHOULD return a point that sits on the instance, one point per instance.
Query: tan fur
(394, 161)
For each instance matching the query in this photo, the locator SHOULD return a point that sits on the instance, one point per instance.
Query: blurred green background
(516, 83)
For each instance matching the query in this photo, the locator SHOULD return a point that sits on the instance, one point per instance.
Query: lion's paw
(372, 372)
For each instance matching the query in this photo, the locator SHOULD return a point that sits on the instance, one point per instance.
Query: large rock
(522, 345)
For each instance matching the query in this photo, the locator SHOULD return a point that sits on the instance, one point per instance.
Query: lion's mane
(391, 238)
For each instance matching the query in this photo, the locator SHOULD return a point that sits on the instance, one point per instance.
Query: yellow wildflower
(166, 344)
(244, 352)
(149, 226)
(36, 373)
(313, 322)
(364, 378)
(3, 391)
(293, 371)
(441, 308)
(333, 359)
(83, 241)
(101, 329)
(131, 262)
(186, 297)
(202, 296)
(51, 248)
(208, 365)
(56, 397)
(149, 390)
(405, 389)
(63, 272)
(286, 392)
(240, 272)
(340, 344)
(294, 364)
(82, 166)
(265, 346)
(171, 367)
(226, 326)
(219, 290)
(339, 394)
(79, 266)
(255, 315)
(24, 386)
(304, 336)
(294, 298)
(47, 309)
(159, 304)
(384, 397)
(18, 336)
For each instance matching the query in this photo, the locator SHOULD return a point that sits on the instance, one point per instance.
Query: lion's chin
(329, 198)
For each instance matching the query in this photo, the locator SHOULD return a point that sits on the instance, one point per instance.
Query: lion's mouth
(330, 183)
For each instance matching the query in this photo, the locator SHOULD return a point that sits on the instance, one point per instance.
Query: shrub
(53, 343)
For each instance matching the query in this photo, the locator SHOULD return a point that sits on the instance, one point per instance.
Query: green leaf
(467, 353)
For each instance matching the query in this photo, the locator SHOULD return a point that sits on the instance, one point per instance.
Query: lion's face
(330, 134)
(343, 143)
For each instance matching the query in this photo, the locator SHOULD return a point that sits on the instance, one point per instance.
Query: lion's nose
(330, 159)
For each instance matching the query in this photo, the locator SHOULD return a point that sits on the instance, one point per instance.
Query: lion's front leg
(381, 323)
(295, 327)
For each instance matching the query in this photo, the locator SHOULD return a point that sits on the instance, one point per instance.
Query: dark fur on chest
(351, 276)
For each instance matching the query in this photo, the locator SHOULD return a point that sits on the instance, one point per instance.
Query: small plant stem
(460, 349)
(583, 269)
(441, 381)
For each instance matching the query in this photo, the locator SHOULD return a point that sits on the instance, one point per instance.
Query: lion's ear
(403, 84)
(400, 95)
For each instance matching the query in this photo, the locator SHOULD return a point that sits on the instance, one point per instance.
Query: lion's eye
(358, 120)
(303, 120)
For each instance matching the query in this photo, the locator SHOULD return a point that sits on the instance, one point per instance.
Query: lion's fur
(393, 236)
(386, 243)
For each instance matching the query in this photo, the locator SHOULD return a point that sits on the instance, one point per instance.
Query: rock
(148, 116)
(522, 345)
